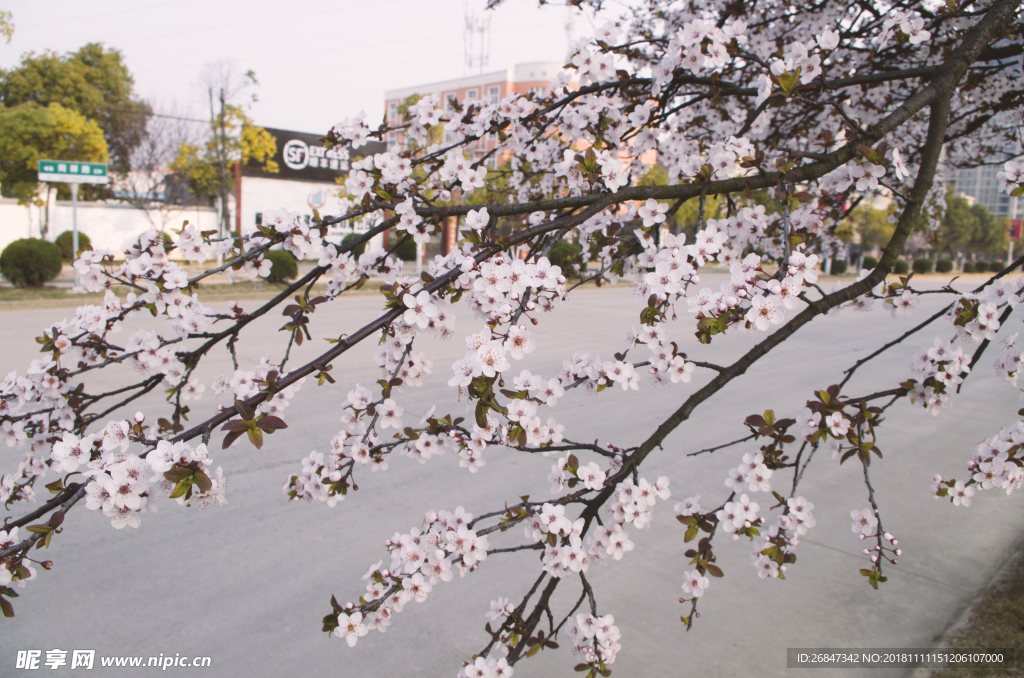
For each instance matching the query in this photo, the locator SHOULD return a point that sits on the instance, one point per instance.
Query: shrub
(30, 262)
(407, 250)
(969, 267)
(869, 262)
(995, 266)
(567, 256)
(283, 266)
(65, 241)
(981, 266)
(901, 267)
(943, 265)
(357, 252)
(839, 266)
(922, 265)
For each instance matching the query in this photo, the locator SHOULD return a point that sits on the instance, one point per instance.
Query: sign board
(71, 172)
(301, 156)
(1016, 228)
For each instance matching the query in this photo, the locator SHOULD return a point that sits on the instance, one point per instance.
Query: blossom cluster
(420, 559)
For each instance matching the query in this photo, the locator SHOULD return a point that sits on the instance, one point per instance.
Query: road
(247, 583)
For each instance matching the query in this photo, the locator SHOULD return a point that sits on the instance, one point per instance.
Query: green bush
(980, 266)
(839, 266)
(969, 267)
(358, 251)
(407, 250)
(922, 266)
(283, 266)
(996, 266)
(65, 241)
(870, 262)
(30, 262)
(943, 265)
(567, 256)
(901, 267)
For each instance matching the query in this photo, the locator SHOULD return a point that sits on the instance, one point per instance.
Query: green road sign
(71, 172)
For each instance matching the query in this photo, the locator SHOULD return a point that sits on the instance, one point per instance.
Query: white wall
(262, 195)
(109, 225)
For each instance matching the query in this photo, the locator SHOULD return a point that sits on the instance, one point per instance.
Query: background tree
(30, 132)
(6, 26)
(150, 186)
(970, 229)
(233, 138)
(92, 81)
(872, 226)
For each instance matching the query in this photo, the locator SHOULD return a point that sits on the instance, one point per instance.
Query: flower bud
(874, 559)
(899, 552)
(895, 541)
(888, 535)
(140, 417)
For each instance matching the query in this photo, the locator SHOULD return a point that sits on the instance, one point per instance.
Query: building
(490, 88)
(981, 184)
(306, 180)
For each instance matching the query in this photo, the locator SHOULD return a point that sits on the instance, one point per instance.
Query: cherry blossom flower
(864, 521)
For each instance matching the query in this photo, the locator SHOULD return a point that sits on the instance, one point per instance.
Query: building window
(471, 95)
(393, 112)
(539, 92)
(493, 93)
(448, 99)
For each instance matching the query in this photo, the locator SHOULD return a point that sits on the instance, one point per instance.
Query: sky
(316, 61)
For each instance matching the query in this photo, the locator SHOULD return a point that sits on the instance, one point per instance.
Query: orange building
(488, 87)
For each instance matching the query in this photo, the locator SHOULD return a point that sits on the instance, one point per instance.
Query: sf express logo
(296, 154)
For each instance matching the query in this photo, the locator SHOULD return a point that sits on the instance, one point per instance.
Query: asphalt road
(248, 583)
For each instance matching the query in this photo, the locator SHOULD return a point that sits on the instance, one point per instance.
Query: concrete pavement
(248, 583)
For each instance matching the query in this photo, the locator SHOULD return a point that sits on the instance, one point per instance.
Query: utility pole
(74, 232)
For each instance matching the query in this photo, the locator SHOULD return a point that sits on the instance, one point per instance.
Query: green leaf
(691, 533)
(182, 488)
(256, 437)
(714, 570)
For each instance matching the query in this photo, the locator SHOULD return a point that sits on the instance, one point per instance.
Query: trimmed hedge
(358, 251)
(30, 262)
(567, 256)
(283, 266)
(969, 267)
(981, 266)
(901, 267)
(943, 265)
(839, 266)
(66, 242)
(923, 265)
(407, 250)
(870, 263)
